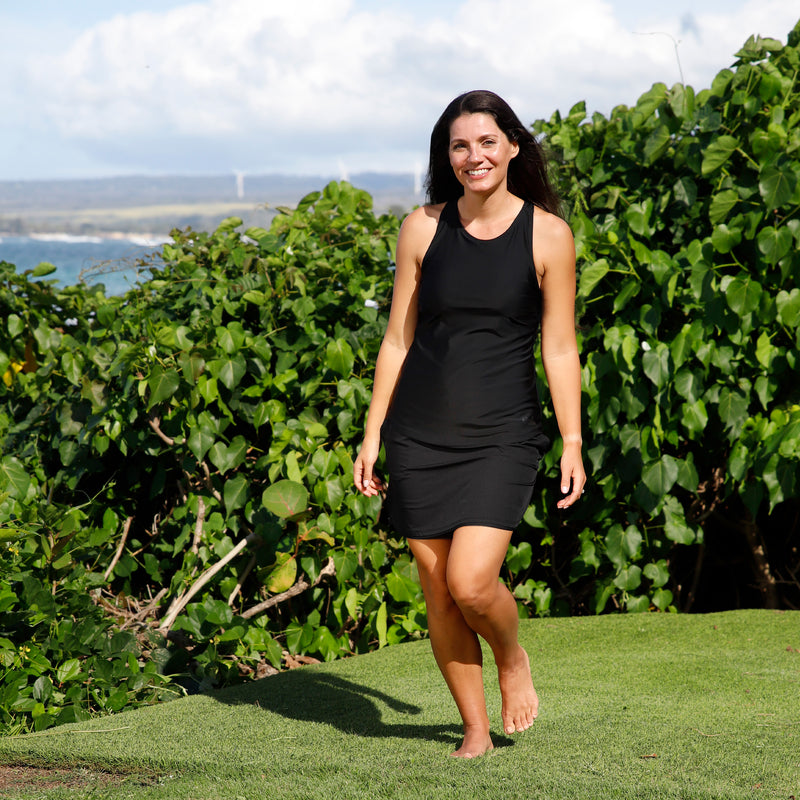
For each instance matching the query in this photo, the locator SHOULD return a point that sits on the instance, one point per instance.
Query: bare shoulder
(418, 229)
(551, 229)
(422, 219)
(553, 244)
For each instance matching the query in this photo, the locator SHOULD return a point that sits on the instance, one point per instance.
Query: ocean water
(92, 259)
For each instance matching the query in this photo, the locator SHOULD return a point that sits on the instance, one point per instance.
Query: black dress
(463, 435)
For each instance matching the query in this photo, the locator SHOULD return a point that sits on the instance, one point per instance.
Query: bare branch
(198, 526)
(242, 578)
(155, 423)
(145, 611)
(184, 599)
(120, 548)
(208, 483)
(298, 588)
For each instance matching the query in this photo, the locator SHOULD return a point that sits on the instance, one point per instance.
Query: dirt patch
(22, 777)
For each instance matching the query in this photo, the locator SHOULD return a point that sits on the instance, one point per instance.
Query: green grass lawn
(637, 706)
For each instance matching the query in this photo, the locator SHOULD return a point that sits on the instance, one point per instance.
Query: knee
(472, 595)
(438, 599)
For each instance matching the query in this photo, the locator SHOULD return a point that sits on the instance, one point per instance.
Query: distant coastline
(153, 206)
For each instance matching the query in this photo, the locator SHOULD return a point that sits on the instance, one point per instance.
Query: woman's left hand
(573, 475)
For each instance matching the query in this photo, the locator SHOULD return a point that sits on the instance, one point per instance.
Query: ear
(514, 149)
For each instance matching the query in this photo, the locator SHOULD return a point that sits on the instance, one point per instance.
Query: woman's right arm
(415, 236)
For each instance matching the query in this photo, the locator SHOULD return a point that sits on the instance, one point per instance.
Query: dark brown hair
(527, 172)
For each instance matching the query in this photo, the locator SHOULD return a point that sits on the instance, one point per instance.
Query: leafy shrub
(686, 211)
(184, 452)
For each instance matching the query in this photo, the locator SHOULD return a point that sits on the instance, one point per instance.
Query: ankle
(477, 728)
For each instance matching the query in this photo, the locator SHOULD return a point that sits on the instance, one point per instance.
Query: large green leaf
(774, 243)
(777, 184)
(339, 357)
(717, 153)
(657, 572)
(676, 528)
(656, 364)
(629, 578)
(622, 544)
(285, 498)
(591, 275)
(732, 408)
(231, 338)
(72, 365)
(43, 268)
(657, 144)
(681, 101)
(694, 417)
(68, 670)
(283, 573)
(724, 238)
(329, 493)
(227, 457)
(721, 205)
(743, 295)
(229, 370)
(685, 190)
(235, 492)
(662, 599)
(788, 304)
(163, 383)
(200, 440)
(660, 476)
(14, 478)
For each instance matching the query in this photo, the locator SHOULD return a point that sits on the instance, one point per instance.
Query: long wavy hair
(527, 171)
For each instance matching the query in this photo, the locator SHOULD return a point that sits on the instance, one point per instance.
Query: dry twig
(120, 548)
(155, 423)
(180, 603)
(298, 588)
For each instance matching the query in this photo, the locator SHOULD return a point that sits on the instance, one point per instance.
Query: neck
(472, 206)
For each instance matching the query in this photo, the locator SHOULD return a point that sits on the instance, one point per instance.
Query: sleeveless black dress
(463, 436)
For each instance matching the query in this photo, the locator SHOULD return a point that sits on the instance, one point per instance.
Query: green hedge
(686, 212)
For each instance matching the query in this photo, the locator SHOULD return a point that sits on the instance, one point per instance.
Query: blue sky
(95, 88)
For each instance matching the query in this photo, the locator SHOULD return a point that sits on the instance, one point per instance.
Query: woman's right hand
(365, 480)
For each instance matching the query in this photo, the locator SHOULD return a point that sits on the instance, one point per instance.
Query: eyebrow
(480, 136)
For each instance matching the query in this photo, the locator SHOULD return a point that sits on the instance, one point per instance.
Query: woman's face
(480, 152)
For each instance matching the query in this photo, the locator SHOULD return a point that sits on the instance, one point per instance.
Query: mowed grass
(637, 706)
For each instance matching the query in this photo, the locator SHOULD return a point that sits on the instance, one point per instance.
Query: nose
(474, 153)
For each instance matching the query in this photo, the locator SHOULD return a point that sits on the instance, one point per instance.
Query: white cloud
(301, 86)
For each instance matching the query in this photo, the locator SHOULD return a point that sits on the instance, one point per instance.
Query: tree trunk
(766, 580)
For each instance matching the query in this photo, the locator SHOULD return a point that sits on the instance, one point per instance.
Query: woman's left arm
(554, 255)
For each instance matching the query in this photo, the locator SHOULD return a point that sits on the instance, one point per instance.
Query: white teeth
(477, 171)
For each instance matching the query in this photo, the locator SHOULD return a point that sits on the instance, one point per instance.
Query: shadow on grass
(310, 696)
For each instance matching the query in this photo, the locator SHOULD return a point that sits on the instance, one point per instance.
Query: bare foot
(476, 743)
(520, 701)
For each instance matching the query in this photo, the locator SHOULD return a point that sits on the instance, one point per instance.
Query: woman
(454, 396)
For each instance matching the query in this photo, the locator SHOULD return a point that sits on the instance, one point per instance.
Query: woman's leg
(455, 645)
(488, 608)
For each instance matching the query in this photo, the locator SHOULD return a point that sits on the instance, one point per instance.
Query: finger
(360, 477)
(575, 483)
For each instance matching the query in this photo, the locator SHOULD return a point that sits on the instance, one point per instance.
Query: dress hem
(448, 532)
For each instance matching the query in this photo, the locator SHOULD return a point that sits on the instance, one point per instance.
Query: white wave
(66, 238)
(148, 241)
